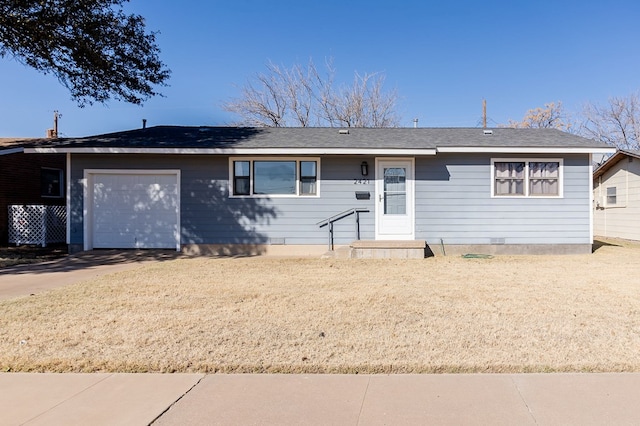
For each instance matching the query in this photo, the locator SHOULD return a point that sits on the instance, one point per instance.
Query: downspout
(604, 206)
(626, 185)
(592, 204)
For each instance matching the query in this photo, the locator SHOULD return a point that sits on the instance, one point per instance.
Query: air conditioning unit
(598, 202)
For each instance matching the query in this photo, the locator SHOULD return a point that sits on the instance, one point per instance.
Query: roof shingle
(310, 137)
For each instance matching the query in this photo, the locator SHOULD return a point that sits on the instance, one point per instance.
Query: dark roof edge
(613, 160)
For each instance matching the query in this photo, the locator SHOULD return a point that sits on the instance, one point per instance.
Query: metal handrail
(329, 221)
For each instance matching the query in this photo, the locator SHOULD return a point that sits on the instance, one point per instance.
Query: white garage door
(134, 210)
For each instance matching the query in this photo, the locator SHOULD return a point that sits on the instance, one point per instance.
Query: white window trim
(296, 159)
(526, 162)
(617, 204)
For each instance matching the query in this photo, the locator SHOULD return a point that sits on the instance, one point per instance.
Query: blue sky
(443, 58)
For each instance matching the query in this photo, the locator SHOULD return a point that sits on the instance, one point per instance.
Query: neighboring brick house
(28, 179)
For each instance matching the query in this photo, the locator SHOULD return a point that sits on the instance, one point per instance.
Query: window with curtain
(544, 178)
(509, 178)
(521, 178)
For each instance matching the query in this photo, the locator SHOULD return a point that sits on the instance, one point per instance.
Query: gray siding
(209, 216)
(453, 203)
(224, 220)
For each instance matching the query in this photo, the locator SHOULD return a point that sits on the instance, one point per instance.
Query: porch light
(364, 168)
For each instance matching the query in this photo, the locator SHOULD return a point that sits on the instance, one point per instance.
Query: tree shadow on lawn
(91, 259)
(12, 255)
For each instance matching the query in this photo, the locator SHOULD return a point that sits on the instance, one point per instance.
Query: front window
(519, 178)
(279, 177)
(274, 177)
(308, 177)
(241, 175)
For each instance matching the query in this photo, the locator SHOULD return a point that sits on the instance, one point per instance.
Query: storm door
(394, 199)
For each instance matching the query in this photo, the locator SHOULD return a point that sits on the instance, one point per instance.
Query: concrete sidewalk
(196, 399)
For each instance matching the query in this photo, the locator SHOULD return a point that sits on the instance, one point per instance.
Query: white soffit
(525, 150)
(237, 151)
(325, 151)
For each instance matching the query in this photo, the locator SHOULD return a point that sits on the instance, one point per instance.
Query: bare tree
(301, 96)
(363, 104)
(263, 101)
(551, 116)
(616, 123)
(381, 104)
(299, 85)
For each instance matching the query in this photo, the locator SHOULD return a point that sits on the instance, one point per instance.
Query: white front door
(395, 199)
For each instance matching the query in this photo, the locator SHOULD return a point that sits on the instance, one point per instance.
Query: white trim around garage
(87, 213)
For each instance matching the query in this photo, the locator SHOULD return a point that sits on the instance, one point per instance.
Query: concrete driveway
(25, 280)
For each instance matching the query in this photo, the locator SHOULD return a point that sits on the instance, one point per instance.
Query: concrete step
(388, 249)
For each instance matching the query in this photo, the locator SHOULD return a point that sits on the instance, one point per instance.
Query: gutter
(11, 151)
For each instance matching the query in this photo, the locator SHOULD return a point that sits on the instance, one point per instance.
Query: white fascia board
(524, 150)
(321, 151)
(11, 151)
(238, 151)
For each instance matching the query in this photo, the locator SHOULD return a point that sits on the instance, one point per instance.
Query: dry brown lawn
(444, 314)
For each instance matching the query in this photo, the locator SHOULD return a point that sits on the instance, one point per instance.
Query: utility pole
(53, 133)
(55, 124)
(484, 113)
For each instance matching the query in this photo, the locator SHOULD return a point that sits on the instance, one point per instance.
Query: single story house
(616, 194)
(252, 190)
(35, 179)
